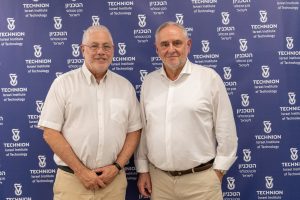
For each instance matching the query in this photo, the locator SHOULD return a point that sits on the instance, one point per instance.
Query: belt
(199, 168)
(68, 169)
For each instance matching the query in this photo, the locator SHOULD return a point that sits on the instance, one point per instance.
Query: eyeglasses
(95, 47)
(175, 43)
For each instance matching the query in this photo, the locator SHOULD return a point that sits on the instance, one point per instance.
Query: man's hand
(219, 174)
(63, 149)
(108, 173)
(144, 184)
(90, 180)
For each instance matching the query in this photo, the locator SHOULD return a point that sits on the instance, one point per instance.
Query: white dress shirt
(187, 122)
(94, 118)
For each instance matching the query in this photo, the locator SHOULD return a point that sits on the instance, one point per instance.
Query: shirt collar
(90, 77)
(187, 69)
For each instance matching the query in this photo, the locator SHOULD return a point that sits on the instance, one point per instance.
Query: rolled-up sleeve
(52, 115)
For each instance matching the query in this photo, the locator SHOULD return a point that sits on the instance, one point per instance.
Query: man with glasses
(91, 121)
(189, 137)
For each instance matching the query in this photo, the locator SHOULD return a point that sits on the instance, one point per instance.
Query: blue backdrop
(253, 45)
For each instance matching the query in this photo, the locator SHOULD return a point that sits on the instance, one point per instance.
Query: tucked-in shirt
(187, 122)
(94, 118)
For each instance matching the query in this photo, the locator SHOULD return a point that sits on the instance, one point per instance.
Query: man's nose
(171, 47)
(100, 50)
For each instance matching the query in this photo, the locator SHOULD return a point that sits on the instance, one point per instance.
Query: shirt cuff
(142, 166)
(223, 162)
(47, 124)
(135, 127)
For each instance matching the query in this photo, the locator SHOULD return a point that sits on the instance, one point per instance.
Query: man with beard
(91, 121)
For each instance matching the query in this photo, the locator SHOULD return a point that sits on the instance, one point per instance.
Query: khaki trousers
(68, 187)
(204, 185)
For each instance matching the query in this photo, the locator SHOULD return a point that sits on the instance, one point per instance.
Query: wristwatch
(223, 172)
(117, 166)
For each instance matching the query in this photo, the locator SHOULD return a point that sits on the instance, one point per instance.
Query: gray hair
(170, 23)
(95, 28)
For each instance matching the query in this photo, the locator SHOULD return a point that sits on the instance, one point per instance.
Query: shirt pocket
(119, 110)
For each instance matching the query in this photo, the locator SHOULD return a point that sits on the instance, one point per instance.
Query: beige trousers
(68, 187)
(204, 185)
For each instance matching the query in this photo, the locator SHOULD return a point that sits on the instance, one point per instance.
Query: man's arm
(109, 172)
(141, 161)
(62, 149)
(225, 129)
(144, 184)
(131, 142)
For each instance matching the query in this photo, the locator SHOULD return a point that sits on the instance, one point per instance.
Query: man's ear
(189, 44)
(156, 49)
(82, 50)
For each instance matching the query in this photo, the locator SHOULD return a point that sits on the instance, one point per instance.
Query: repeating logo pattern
(247, 155)
(37, 50)
(122, 48)
(179, 18)
(205, 46)
(263, 16)
(292, 98)
(294, 153)
(39, 105)
(142, 20)
(225, 18)
(245, 100)
(96, 20)
(227, 73)
(16, 134)
(265, 71)
(42, 161)
(75, 50)
(230, 183)
(11, 24)
(269, 182)
(260, 103)
(18, 189)
(143, 73)
(289, 43)
(243, 44)
(57, 23)
(267, 126)
(13, 79)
